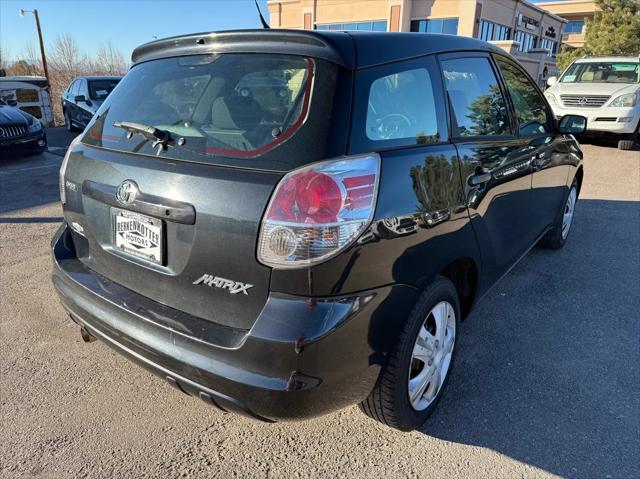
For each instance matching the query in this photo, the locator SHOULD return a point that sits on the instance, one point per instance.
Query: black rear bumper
(303, 357)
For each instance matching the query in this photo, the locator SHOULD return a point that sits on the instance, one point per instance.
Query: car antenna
(262, 20)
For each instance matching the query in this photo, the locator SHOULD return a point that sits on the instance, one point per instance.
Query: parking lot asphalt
(547, 381)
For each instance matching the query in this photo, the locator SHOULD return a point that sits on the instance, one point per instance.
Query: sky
(124, 23)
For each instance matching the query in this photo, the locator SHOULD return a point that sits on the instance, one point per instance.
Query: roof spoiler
(336, 49)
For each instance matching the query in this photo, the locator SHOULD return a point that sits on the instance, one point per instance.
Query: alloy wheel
(569, 208)
(431, 356)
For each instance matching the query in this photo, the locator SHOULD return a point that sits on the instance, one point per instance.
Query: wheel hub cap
(569, 208)
(431, 355)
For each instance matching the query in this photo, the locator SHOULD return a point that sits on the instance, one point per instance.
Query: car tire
(389, 402)
(557, 236)
(626, 144)
(630, 143)
(67, 122)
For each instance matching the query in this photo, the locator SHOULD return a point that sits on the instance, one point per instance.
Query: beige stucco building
(577, 12)
(528, 32)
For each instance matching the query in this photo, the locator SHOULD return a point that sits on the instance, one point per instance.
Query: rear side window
(398, 105)
(528, 104)
(401, 105)
(475, 96)
(236, 105)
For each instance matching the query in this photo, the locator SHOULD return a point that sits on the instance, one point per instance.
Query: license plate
(138, 235)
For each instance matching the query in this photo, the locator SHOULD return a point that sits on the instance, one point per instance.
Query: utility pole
(44, 58)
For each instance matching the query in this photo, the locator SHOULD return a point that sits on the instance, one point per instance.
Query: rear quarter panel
(421, 225)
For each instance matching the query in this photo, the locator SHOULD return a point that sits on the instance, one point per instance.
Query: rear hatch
(172, 198)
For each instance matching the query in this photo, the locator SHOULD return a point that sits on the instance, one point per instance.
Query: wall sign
(527, 22)
(550, 32)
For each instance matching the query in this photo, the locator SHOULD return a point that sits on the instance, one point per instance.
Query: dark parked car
(83, 98)
(20, 132)
(286, 255)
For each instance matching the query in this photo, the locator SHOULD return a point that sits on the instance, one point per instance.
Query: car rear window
(233, 105)
(100, 89)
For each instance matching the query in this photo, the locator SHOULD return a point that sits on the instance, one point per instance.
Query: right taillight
(63, 169)
(319, 210)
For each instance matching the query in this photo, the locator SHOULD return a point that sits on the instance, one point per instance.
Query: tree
(109, 61)
(4, 56)
(614, 30)
(66, 62)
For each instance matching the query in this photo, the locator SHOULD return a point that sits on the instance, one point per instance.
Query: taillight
(63, 169)
(319, 210)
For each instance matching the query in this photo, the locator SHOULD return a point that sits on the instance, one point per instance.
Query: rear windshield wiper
(161, 138)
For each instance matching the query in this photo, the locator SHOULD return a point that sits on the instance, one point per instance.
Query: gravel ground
(547, 380)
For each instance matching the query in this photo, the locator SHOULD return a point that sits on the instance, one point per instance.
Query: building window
(574, 26)
(435, 25)
(493, 31)
(526, 40)
(370, 26)
(549, 45)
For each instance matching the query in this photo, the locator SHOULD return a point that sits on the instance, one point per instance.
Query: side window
(528, 104)
(402, 106)
(82, 88)
(475, 96)
(71, 87)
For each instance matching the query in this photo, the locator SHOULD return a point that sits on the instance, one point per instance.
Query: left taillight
(318, 211)
(63, 169)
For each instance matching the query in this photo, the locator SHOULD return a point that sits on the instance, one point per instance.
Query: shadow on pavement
(29, 182)
(33, 219)
(604, 142)
(547, 370)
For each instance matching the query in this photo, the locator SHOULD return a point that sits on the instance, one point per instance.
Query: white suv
(606, 90)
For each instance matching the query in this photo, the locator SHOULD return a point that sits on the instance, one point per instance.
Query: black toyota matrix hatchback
(285, 223)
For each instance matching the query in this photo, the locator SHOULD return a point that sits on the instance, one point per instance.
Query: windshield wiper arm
(159, 137)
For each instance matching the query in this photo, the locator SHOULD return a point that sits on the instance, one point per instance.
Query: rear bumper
(303, 357)
(31, 144)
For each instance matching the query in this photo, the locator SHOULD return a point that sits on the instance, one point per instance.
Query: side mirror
(574, 124)
(552, 81)
(12, 103)
(79, 98)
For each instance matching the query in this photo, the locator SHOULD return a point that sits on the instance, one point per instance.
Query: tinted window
(574, 26)
(401, 105)
(530, 108)
(100, 89)
(376, 26)
(477, 102)
(527, 41)
(27, 95)
(436, 25)
(493, 31)
(232, 105)
(73, 89)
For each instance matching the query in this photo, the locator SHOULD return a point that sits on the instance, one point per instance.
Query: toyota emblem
(126, 192)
